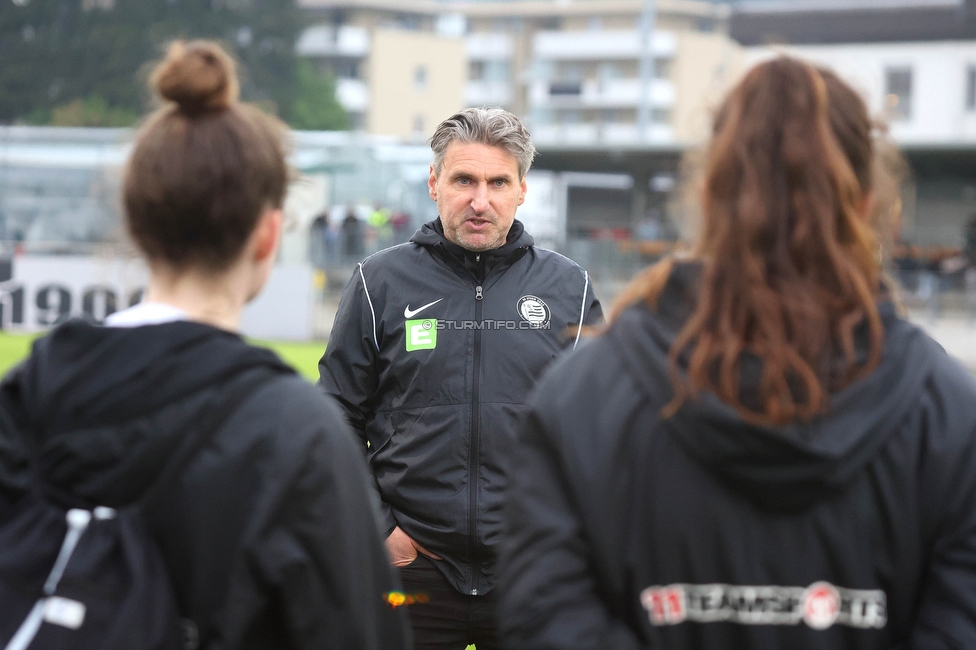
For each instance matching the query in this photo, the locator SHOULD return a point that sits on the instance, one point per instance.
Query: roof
(759, 22)
(523, 8)
(791, 6)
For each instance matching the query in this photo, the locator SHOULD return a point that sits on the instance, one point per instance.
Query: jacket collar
(479, 265)
(432, 234)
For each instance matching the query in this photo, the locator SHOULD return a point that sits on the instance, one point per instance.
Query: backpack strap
(214, 417)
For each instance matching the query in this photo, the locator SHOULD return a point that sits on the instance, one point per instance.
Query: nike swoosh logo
(410, 313)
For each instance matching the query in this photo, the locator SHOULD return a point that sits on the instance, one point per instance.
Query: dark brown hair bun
(204, 167)
(198, 76)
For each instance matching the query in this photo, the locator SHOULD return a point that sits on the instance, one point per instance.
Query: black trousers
(442, 617)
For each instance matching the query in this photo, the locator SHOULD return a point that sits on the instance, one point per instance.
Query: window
(496, 71)
(572, 88)
(662, 68)
(407, 21)
(550, 24)
(338, 17)
(345, 68)
(476, 70)
(609, 72)
(418, 125)
(452, 25)
(541, 116)
(971, 87)
(420, 78)
(571, 117)
(898, 93)
(616, 116)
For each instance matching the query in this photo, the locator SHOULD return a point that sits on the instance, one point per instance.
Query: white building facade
(590, 73)
(926, 93)
(585, 87)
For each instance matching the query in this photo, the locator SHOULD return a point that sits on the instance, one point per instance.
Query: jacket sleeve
(349, 369)
(325, 557)
(947, 607)
(593, 310)
(548, 590)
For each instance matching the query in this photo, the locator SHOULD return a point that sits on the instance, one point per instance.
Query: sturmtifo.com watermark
(421, 334)
(490, 325)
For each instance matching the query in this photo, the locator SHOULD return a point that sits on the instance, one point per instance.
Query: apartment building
(396, 74)
(583, 73)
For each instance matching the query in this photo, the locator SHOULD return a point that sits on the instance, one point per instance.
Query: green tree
(315, 106)
(55, 52)
(91, 111)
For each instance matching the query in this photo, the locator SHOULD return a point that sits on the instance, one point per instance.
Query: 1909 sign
(54, 303)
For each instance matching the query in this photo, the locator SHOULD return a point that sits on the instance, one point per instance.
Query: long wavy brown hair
(790, 264)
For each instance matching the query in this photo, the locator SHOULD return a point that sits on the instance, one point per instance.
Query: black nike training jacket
(432, 355)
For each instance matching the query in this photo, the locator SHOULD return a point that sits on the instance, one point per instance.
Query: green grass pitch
(304, 357)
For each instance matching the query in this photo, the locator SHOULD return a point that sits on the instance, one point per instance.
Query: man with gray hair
(435, 347)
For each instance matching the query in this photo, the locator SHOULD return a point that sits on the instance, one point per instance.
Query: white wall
(541, 213)
(939, 115)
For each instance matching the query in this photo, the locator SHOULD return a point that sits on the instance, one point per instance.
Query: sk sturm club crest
(534, 311)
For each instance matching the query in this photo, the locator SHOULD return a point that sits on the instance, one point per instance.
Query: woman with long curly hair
(758, 452)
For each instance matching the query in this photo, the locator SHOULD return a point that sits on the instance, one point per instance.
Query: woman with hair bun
(268, 531)
(758, 452)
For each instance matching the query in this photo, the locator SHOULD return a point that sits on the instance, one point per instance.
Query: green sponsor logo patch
(421, 334)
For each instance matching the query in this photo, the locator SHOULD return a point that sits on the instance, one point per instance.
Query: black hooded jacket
(438, 405)
(269, 533)
(629, 530)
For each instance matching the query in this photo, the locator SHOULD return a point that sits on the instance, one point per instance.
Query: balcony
(488, 46)
(565, 134)
(329, 41)
(617, 93)
(487, 93)
(600, 45)
(626, 133)
(590, 134)
(352, 95)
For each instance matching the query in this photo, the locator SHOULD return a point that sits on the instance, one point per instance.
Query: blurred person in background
(352, 236)
(380, 223)
(435, 345)
(269, 533)
(401, 226)
(758, 452)
(317, 250)
(969, 237)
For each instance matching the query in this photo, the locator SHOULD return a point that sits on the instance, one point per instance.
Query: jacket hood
(85, 389)
(432, 234)
(789, 467)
